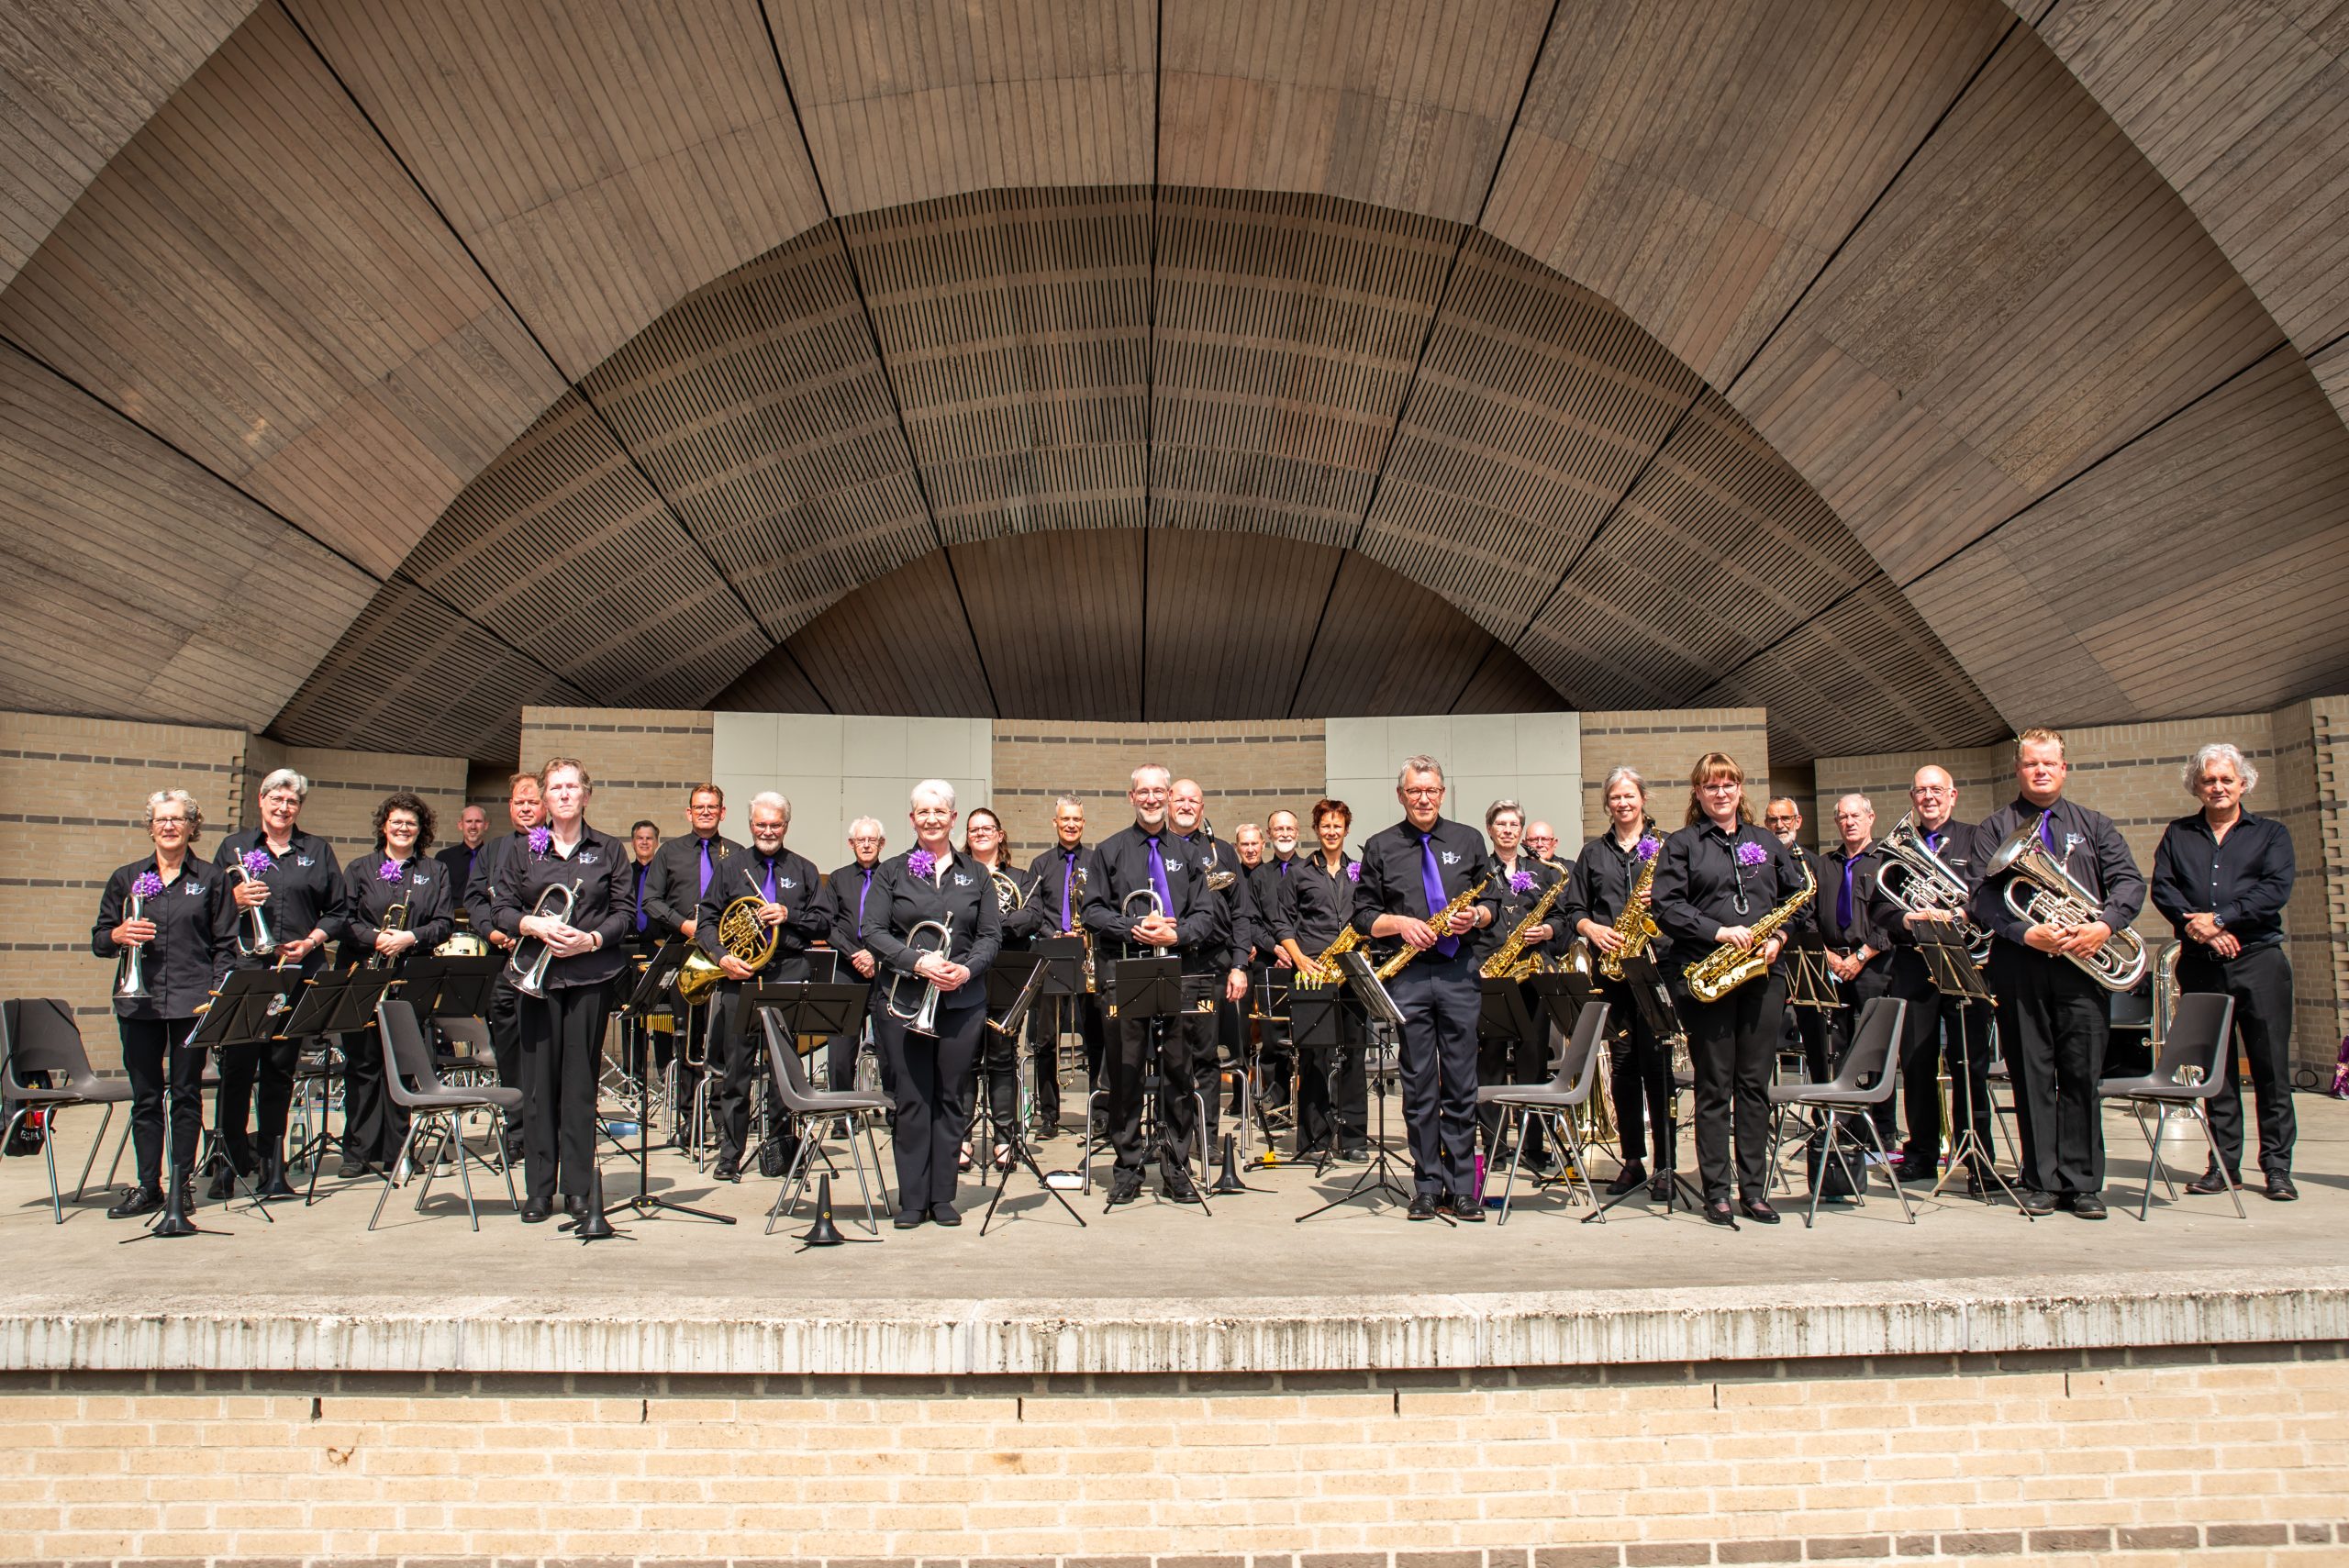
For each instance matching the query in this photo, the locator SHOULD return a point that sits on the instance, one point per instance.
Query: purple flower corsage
(148, 885)
(922, 863)
(257, 861)
(1354, 871)
(542, 839)
(1750, 853)
(1520, 881)
(389, 871)
(1646, 850)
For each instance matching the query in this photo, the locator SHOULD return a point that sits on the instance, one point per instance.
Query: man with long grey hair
(2222, 876)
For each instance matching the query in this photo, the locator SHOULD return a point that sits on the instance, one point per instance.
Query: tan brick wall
(644, 762)
(1663, 745)
(2184, 1455)
(1247, 770)
(347, 786)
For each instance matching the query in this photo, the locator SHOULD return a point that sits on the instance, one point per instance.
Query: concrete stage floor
(1156, 1287)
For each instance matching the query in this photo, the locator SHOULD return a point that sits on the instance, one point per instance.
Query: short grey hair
(939, 792)
(285, 778)
(863, 822)
(2220, 751)
(184, 801)
(1061, 800)
(1133, 780)
(770, 797)
(1622, 775)
(1844, 800)
(1503, 804)
(1418, 765)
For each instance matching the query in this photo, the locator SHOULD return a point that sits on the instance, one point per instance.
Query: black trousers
(372, 1127)
(255, 1078)
(933, 1103)
(1640, 1078)
(505, 1022)
(146, 1043)
(2054, 1023)
(1185, 1039)
(1001, 1054)
(562, 1050)
(1440, 1001)
(738, 1056)
(1733, 1044)
(2260, 980)
(1511, 1060)
(1940, 1030)
(1332, 1089)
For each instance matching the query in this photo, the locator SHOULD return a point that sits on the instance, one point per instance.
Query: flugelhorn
(134, 976)
(395, 920)
(529, 978)
(2056, 898)
(1926, 885)
(261, 944)
(921, 1018)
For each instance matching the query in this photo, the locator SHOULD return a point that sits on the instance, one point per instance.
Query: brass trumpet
(395, 920)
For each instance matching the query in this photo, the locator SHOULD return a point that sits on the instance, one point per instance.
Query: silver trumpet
(1926, 885)
(527, 970)
(2055, 897)
(922, 1017)
(133, 987)
(262, 942)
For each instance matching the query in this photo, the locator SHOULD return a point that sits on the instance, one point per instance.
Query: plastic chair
(41, 1036)
(1822, 1108)
(816, 1108)
(2181, 1083)
(432, 1104)
(1569, 1087)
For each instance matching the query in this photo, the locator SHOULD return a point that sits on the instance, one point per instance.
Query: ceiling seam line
(881, 359)
(741, 600)
(2038, 501)
(804, 675)
(1313, 643)
(1149, 355)
(1479, 670)
(1877, 200)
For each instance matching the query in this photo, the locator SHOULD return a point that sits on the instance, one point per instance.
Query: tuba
(742, 933)
(2056, 898)
(922, 1017)
(530, 978)
(1926, 885)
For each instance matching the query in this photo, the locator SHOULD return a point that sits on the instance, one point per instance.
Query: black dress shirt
(1208, 855)
(1394, 882)
(1028, 922)
(1267, 881)
(305, 892)
(460, 864)
(1876, 919)
(789, 879)
(1121, 865)
(2246, 880)
(960, 894)
(674, 891)
(1701, 886)
(1063, 874)
(423, 887)
(852, 906)
(479, 899)
(2088, 844)
(602, 905)
(1604, 875)
(1510, 905)
(195, 941)
(643, 928)
(1315, 903)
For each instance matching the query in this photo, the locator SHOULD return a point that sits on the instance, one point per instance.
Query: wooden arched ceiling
(1932, 252)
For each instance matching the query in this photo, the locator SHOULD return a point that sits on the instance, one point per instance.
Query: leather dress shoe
(2086, 1206)
(1660, 1188)
(1759, 1210)
(574, 1205)
(533, 1212)
(945, 1214)
(352, 1168)
(136, 1202)
(2034, 1201)
(1468, 1211)
(907, 1218)
(1124, 1187)
(1177, 1186)
(1422, 1206)
(1718, 1212)
(726, 1171)
(1917, 1173)
(223, 1184)
(2281, 1190)
(2208, 1182)
(1630, 1178)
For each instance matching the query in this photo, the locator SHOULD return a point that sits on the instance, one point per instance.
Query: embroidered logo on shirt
(960, 880)
(304, 860)
(1450, 859)
(786, 881)
(588, 857)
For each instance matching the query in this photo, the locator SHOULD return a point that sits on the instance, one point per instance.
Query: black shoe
(1660, 1188)
(907, 1218)
(945, 1214)
(533, 1212)
(1917, 1171)
(274, 1185)
(2033, 1201)
(1355, 1154)
(188, 1196)
(1124, 1187)
(1422, 1206)
(352, 1168)
(2208, 1182)
(2086, 1206)
(574, 1207)
(1718, 1212)
(1759, 1210)
(2281, 1190)
(1630, 1178)
(1541, 1163)
(136, 1202)
(1176, 1184)
(223, 1184)
(726, 1171)
(1468, 1211)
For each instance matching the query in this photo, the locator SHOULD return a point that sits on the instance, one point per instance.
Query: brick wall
(2189, 1455)
(1247, 770)
(644, 763)
(1664, 746)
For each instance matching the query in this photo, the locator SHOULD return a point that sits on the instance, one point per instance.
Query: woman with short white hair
(930, 883)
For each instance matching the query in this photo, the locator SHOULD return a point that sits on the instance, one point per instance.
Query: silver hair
(1133, 780)
(1622, 775)
(872, 822)
(940, 792)
(1061, 800)
(1418, 765)
(2220, 751)
(769, 797)
(185, 802)
(1503, 804)
(1855, 794)
(286, 778)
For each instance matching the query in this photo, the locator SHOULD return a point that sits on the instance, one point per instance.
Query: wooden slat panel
(2200, 570)
(1286, 328)
(1404, 106)
(76, 81)
(603, 158)
(408, 673)
(134, 583)
(1506, 683)
(254, 279)
(1055, 616)
(1537, 407)
(561, 548)
(1695, 161)
(774, 684)
(1387, 646)
(905, 100)
(760, 412)
(1015, 325)
(901, 646)
(1231, 617)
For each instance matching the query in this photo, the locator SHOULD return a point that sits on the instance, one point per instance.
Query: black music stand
(317, 1010)
(1949, 967)
(654, 988)
(1809, 983)
(1023, 976)
(1386, 1020)
(1653, 1003)
(242, 1012)
(1151, 989)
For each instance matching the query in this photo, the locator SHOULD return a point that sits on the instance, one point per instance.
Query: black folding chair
(2181, 1083)
(41, 1038)
(1822, 1110)
(1568, 1090)
(816, 1110)
(433, 1107)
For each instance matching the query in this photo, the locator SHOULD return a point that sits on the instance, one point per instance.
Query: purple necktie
(640, 871)
(861, 894)
(766, 886)
(1432, 879)
(1843, 901)
(2046, 834)
(1068, 885)
(1158, 878)
(704, 868)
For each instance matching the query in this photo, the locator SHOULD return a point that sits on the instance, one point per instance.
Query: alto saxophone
(1636, 925)
(1324, 971)
(1726, 968)
(1504, 963)
(1441, 923)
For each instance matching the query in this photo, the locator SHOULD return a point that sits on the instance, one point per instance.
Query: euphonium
(2056, 898)
(395, 920)
(1441, 921)
(1726, 968)
(1504, 963)
(742, 933)
(921, 1018)
(1926, 885)
(529, 979)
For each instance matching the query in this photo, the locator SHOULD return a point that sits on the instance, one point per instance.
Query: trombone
(530, 978)
(921, 1018)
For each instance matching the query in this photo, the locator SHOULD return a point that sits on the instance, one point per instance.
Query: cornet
(2044, 892)
(529, 978)
(923, 1018)
(395, 920)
